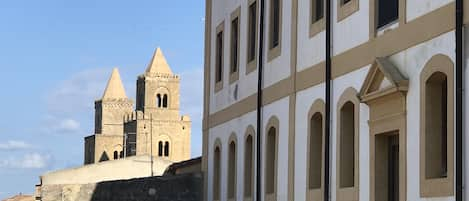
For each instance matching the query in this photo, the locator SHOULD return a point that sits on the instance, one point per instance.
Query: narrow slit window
(347, 145)
(165, 101)
(315, 151)
(252, 32)
(275, 23)
(248, 168)
(166, 149)
(234, 45)
(232, 170)
(158, 100)
(160, 148)
(271, 161)
(216, 174)
(219, 57)
(116, 156)
(436, 122)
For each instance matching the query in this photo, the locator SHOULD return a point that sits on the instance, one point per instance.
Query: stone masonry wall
(187, 187)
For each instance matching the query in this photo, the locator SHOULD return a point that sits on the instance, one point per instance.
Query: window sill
(274, 52)
(218, 86)
(234, 76)
(251, 66)
(316, 27)
(271, 197)
(438, 187)
(347, 194)
(343, 11)
(314, 194)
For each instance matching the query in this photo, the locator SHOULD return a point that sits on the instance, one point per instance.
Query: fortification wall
(187, 187)
(128, 168)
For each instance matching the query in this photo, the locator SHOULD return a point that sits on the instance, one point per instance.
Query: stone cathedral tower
(109, 127)
(155, 128)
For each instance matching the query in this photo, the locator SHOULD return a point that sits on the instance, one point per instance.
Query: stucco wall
(132, 167)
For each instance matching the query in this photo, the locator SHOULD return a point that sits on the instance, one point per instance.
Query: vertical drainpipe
(328, 103)
(459, 100)
(259, 100)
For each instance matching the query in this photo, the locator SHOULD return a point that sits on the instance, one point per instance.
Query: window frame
(315, 193)
(232, 164)
(217, 180)
(316, 25)
(348, 193)
(438, 187)
(274, 51)
(345, 10)
(251, 65)
(236, 15)
(250, 132)
(219, 64)
(373, 27)
(272, 123)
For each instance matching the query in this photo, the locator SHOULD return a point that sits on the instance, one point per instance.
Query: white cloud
(28, 161)
(14, 145)
(56, 125)
(78, 92)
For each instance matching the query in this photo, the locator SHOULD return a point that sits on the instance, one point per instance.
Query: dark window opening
(166, 148)
(234, 45)
(345, 1)
(271, 160)
(232, 170)
(252, 31)
(116, 156)
(275, 23)
(216, 174)
(248, 170)
(158, 100)
(317, 7)
(219, 57)
(388, 11)
(165, 101)
(160, 148)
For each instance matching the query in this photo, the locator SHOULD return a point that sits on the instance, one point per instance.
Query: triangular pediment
(383, 77)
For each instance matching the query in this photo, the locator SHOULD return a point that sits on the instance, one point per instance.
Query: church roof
(115, 88)
(158, 64)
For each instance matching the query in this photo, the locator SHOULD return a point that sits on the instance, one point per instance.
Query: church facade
(364, 109)
(154, 128)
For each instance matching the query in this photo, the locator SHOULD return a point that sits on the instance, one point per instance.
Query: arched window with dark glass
(166, 148)
(160, 148)
(158, 100)
(165, 101)
(116, 155)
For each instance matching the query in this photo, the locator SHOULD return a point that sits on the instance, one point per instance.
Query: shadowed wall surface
(187, 187)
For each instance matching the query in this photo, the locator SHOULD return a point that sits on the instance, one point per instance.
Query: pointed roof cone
(115, 88)
(158, 64)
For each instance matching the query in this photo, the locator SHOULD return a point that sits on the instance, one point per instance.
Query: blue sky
(55, 59)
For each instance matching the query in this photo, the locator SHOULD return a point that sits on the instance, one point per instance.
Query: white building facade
(392, 100)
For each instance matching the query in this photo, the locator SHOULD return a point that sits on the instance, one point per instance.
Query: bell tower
(158, 89)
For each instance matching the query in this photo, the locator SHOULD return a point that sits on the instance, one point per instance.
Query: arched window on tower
(116, 155)
(166, 148)
(160, 148)
(158, 100)
(165, 101)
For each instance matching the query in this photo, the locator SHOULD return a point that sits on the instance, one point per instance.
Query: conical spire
(115, 88)
(158, 64)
